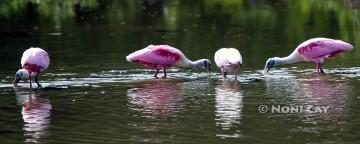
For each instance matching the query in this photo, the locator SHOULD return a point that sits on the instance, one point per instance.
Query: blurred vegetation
(252, 24)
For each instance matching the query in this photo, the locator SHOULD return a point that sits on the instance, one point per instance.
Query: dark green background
(114, 101)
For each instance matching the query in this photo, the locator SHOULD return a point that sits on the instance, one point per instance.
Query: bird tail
(346, 46)
(129, 58)
(235, 61)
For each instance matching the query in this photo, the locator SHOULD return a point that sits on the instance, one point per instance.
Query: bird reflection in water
(155, 98)
(36, 115)
(326, 91)
(310, 90)
(228, 104)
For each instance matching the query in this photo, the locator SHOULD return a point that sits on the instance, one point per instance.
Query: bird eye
(272, 62)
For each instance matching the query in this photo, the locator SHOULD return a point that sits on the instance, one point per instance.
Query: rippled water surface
(91, 94)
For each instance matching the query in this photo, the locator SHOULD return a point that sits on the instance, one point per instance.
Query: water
(92, 95)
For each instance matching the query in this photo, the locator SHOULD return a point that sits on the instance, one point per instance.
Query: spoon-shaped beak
(266, 70)
(208, 67)
(16, 81)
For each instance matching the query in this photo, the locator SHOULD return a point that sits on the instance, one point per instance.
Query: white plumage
(228, 59)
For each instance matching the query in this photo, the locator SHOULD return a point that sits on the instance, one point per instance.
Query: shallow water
(91, 94)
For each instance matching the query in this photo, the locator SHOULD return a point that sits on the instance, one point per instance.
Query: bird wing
(35, 59)
(322, 48)
(153, 56)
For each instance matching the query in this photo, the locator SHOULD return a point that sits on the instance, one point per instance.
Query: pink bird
(316, 50)
(33, 61)
(228, 59)
(164, 56)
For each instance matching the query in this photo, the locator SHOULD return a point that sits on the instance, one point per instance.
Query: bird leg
(37, 81)
(30, 79)
(235, 73)
(224, 74)
(156, 73)
(164, 72)
(322, 70)
(319, 68)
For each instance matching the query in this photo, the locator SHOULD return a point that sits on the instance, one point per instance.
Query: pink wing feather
(319, 48)
(35, 60)
(155, 56)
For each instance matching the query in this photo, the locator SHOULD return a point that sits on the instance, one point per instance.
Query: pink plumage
(318, 48)
(35, 60)
(164, 56)
(156, 56)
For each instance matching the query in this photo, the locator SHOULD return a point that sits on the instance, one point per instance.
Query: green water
(93, 95)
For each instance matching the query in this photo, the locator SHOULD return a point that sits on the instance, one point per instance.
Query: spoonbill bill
(33, 61)
(315, 50)
(165, 56)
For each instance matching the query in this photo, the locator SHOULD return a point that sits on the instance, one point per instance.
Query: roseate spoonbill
(33, 61)
(164, 56)
(316, 50)
(228, 59)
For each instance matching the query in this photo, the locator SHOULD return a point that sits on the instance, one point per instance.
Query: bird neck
(292, 58)
(198, 63)
(192, 64)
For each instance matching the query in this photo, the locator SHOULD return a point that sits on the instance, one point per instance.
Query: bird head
(205, 63)
(270, 63)
(21, 74)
